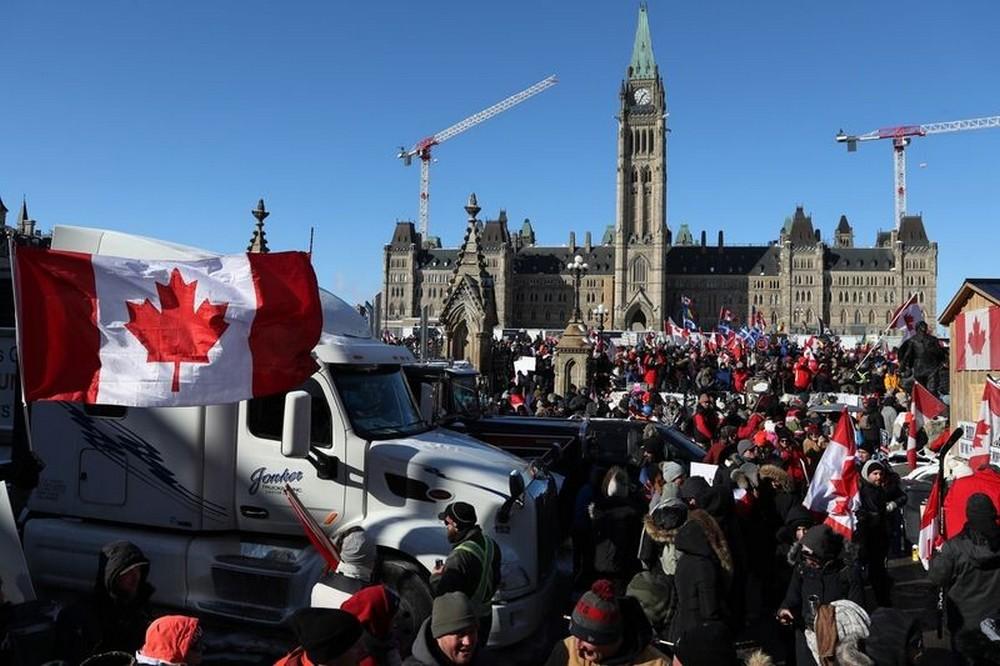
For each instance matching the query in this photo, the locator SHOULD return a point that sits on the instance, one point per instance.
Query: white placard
(705, 471)
(524, 364)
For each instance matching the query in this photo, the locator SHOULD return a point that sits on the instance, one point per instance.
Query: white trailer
(199, 489)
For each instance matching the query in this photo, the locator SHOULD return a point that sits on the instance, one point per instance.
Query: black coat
(872, 533)
(969, 568)
(703, 570)
(835, 580)
(616, 526)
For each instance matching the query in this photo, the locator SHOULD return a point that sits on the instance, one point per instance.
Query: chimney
(819, 237)
(721, 240)
(586, 242)
(704, 238)
(572, 241)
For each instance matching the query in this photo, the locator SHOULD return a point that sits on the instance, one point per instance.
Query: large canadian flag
(924, 405)
(977, 339)
(907, 316)
(834, 488)
(118, 331)
(930, 525)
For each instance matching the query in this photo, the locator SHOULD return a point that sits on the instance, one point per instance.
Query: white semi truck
(199, 489)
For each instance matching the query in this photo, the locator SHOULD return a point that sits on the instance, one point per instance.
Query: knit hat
(170, 638)
(325, 633)
(357, 548)
(693, 488)
(822, 542)
(463, 513)
(871, 465)
(452, 613)
(981, 514)
(671, 471)
(597, 618)
(708, 644)
(744, 446)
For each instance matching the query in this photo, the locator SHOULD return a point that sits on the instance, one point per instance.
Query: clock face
(642, 96)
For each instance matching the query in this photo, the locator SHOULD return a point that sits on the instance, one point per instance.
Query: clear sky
(172, 118)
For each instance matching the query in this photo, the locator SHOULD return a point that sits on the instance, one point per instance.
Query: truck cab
(201, 489)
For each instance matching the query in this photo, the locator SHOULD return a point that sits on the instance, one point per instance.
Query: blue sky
(172, 119)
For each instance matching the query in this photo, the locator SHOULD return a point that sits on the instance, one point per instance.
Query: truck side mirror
(516, 483)
(297, 425)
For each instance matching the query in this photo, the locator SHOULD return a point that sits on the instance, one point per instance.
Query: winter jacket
(704, 570)
(886, 644)
(425, 651)
(105, 622)
(169, 640)
(463, 571)
(970, 570)
(375, 609)
(706, 424)
(923, 354)
(871, 425)
(872, 532)
(616, 524)
(635, 650)
(837, 579)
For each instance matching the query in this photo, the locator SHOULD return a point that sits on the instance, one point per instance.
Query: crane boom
(901, 136)
(422, 148)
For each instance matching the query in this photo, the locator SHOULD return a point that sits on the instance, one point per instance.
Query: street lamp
(599, 313)
(577, 267)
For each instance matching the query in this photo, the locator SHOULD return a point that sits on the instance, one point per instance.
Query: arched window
(843, 317)
(857, 316)
(888, 317)
(871, 316)
(640, 269)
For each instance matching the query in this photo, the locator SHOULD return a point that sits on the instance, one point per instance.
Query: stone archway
(636, 318)
(459, 341)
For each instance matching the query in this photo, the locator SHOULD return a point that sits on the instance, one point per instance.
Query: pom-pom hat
(597, 617)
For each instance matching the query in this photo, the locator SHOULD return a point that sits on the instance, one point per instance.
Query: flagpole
(892, 324)
(11, 250)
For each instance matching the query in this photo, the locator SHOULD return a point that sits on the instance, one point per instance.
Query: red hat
(170, 638)
(597, 617)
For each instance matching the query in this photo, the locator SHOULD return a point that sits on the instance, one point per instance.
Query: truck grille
(250, 588)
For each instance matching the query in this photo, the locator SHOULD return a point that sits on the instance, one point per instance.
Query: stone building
(639, 269)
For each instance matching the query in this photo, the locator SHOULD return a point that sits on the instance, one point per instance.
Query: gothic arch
(637, 318)
(638, 272)
(567, 376)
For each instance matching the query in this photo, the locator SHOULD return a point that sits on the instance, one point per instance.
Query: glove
(890, 507)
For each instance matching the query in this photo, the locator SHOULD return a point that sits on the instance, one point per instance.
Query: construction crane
(422, 148)
(901, 137)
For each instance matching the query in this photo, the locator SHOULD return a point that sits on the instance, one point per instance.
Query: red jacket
(296, 657)
(740, 378)
(375, 609)
(748, 429)
(986, 481)
(170, 638)
(803, 377)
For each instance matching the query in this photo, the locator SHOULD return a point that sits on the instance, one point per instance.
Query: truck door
(262, 471)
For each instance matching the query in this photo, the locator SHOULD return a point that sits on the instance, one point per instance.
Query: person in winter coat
(450, 636)
(706, 421)
(473, 566)
(172, 640)
(375, 607)
(704, 572)
(922, 355)
(605, 629)
(821, 576)
(326, 636)
(616, 523)
(654, 587)
(878, 504)
(116, 615)
(358, 559)
(968, 567)
(895, 639)
(871, 425)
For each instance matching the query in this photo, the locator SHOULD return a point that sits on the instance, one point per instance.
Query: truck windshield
(377, 401)
(465, 396)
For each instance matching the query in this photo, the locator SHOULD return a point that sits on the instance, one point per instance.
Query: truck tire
(415, 600)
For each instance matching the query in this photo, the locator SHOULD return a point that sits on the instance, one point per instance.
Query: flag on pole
(923, 405)
(930, 525)
(687, 314)
(163, 333)
(834, 487)
(906, 317)
(977, 339)
(988, 427)
(317, 537)
(757, 319)
(725, 320)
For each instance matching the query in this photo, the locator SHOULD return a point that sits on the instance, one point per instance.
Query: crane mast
(901, 136)
(422, 149)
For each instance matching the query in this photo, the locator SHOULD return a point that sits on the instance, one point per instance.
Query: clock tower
(641, 234)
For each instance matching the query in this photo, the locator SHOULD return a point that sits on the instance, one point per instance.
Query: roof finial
(472, 208)
(258, 243)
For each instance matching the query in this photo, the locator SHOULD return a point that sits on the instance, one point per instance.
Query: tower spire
(643, 65)
(258, 242)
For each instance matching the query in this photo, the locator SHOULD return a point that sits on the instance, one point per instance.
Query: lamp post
(599, 313)
(577, 267)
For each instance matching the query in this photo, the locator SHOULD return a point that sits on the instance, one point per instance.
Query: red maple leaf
(977, 338)
(178, 333)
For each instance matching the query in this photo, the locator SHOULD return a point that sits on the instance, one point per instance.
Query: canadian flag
(977, 339)
(834, 488)
(923, 405)
(930, 525)
(118, 331)
(988, 426)
(907, 316)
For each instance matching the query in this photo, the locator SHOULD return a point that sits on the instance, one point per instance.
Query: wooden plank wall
(966, 385)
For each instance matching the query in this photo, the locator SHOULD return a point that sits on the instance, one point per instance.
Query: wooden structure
(967, 385)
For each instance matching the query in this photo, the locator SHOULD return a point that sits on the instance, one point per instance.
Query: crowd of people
(670, 566)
